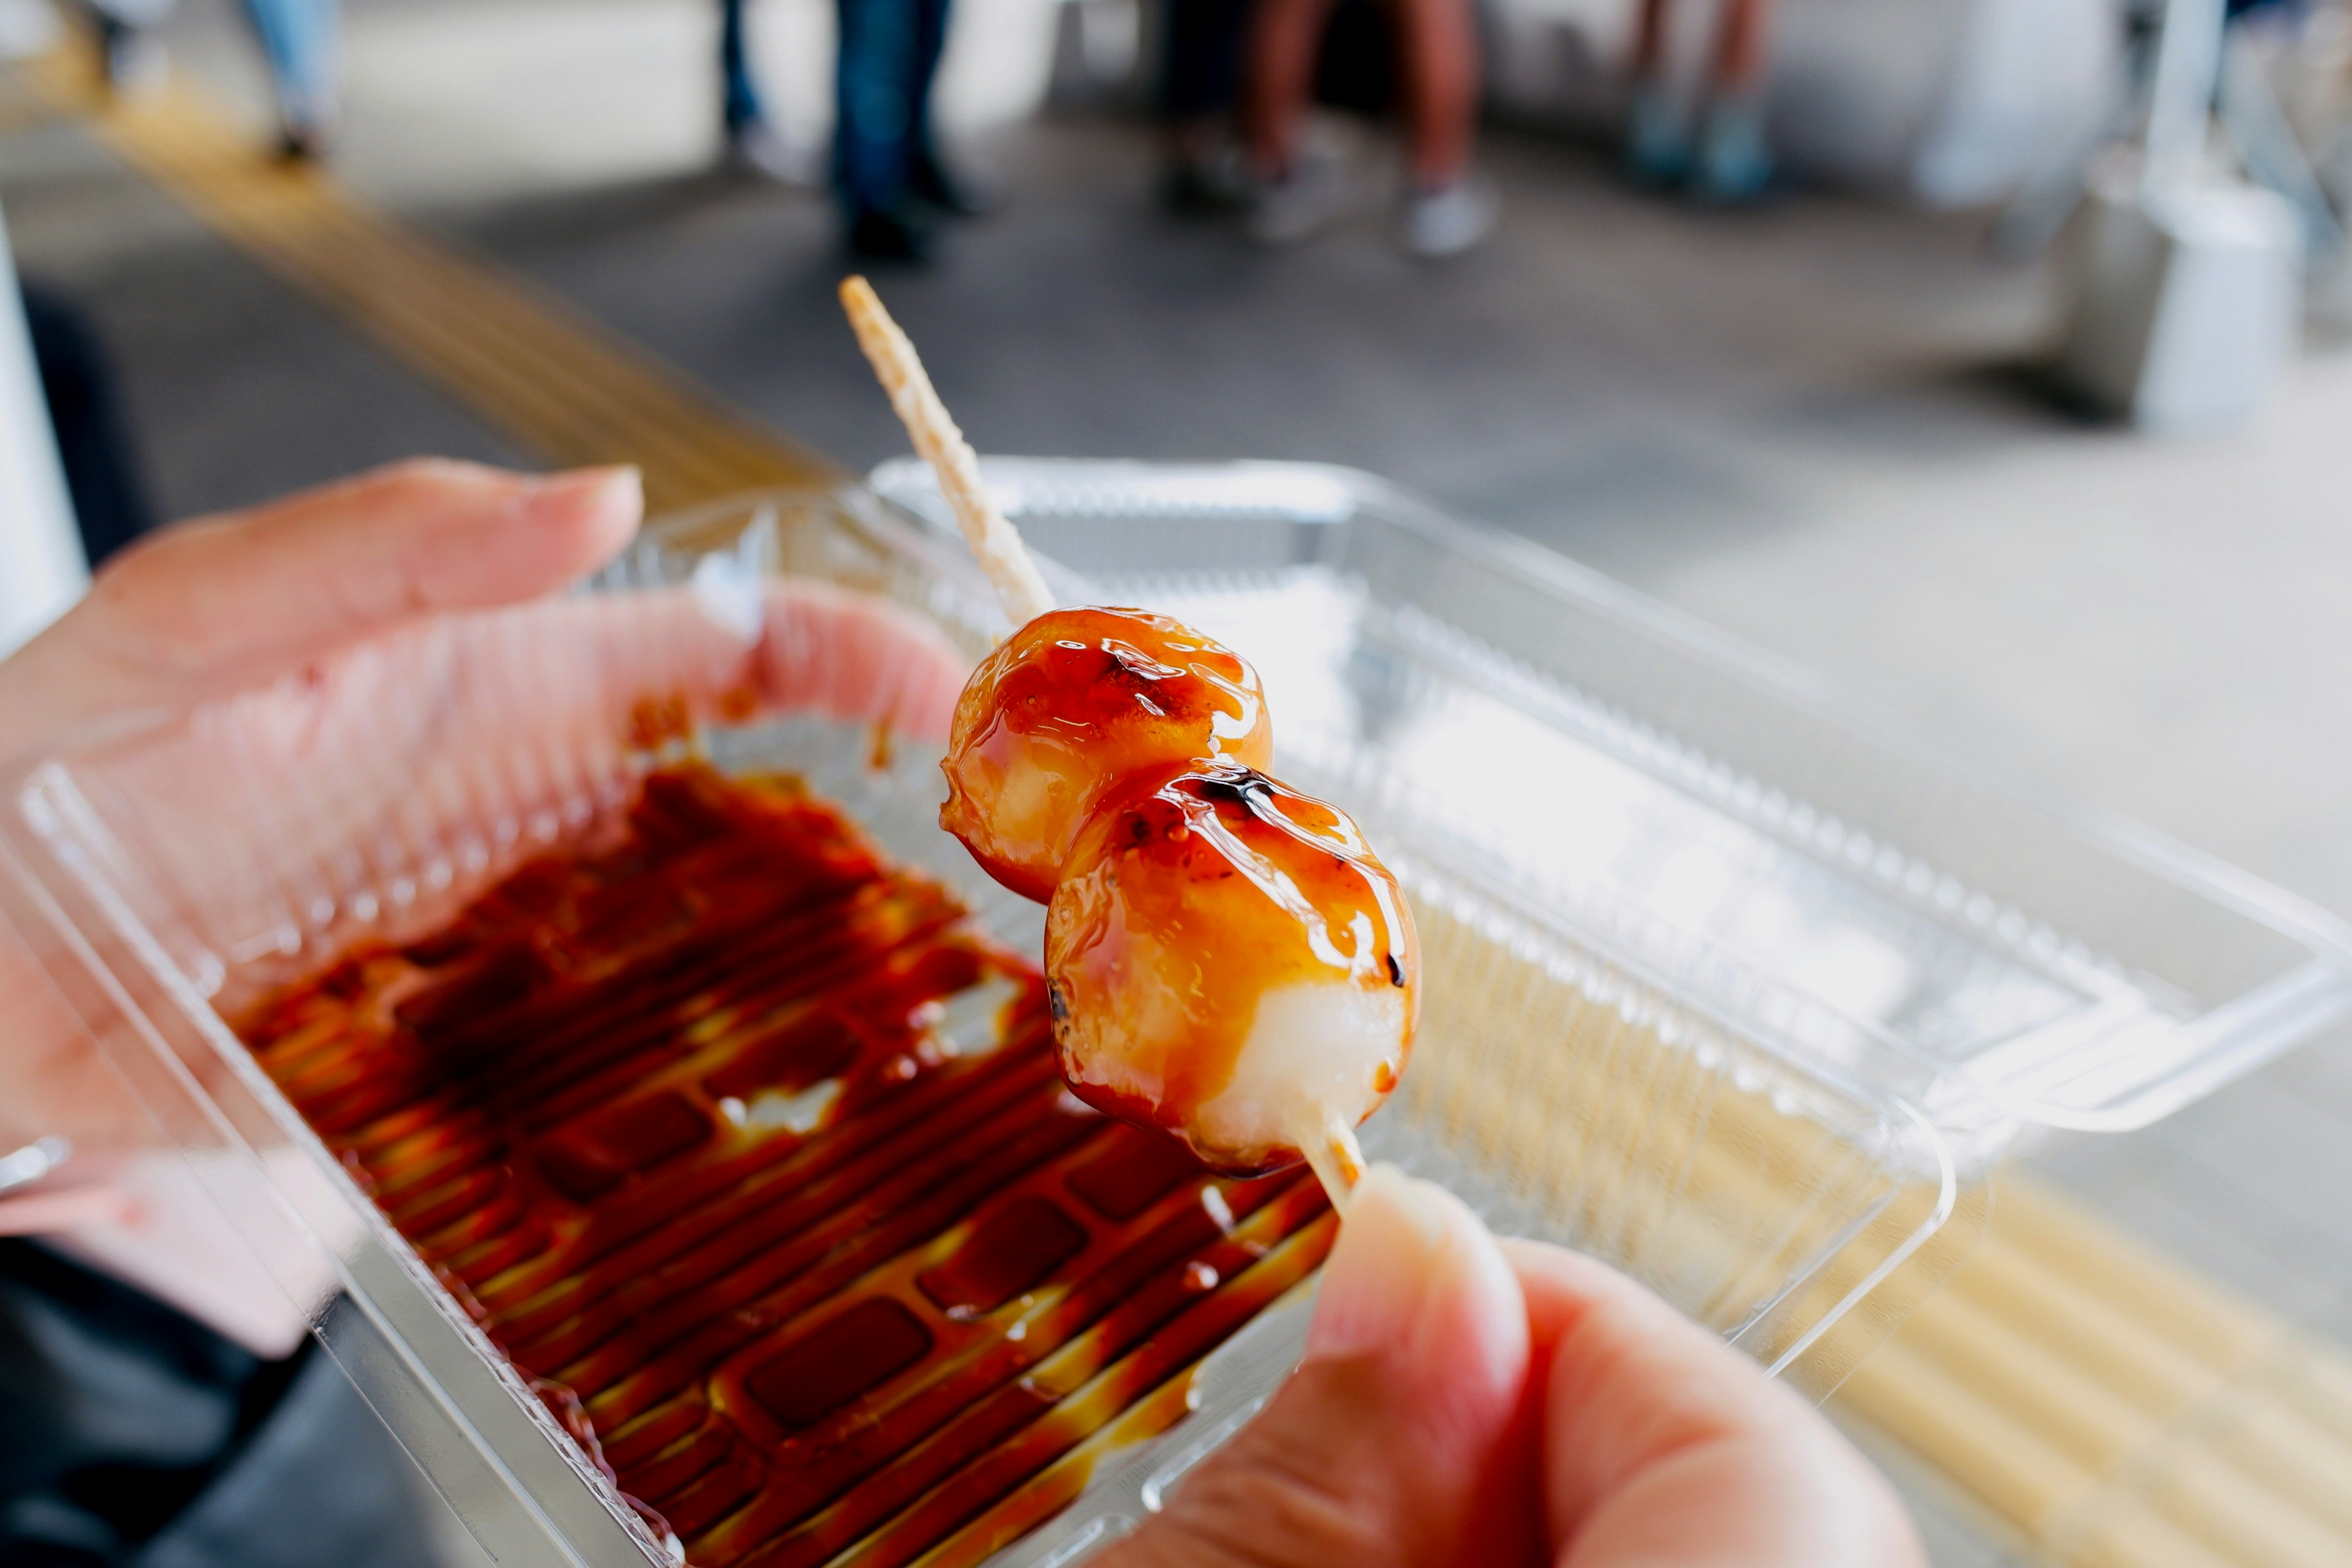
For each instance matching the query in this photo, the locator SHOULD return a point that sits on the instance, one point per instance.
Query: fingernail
(614, 485)
(1397, 1231)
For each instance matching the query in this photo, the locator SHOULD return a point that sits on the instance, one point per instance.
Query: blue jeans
(742, 106)
(882, 91)
(300, 38)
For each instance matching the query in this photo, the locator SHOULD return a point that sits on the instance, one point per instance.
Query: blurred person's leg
(752, 141)
(739, 107)
(1299, 194)
(1658, 145)
(877, 73)
(928, 174)
(1735, 163)
(78, 386)
(1200, 60)
(1740, 46)
(1284, 38)
(1437, 53)
(129, 52)
(1450, 207)
(1649, 60)
(300, 38)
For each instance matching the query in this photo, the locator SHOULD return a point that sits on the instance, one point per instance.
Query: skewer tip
(994, 542)
(1334, 1155)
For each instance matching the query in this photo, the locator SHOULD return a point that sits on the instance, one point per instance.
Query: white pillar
(42, 569)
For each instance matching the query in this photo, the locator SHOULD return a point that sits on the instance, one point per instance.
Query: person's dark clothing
(1201, 57)
(78, 386)
(740, 108)
(131, 1436)
(882, 149)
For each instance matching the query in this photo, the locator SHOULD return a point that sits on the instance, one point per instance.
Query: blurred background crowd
(1951, 106)
(1232, 82)
(2164, 172)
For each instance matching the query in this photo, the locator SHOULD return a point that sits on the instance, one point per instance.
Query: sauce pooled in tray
(749, 1149)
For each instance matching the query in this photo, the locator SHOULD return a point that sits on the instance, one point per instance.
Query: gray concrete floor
(1802, 423)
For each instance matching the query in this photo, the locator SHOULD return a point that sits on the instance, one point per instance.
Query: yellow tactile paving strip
(557, 383)
(2109, 1408)
(2114, 1410)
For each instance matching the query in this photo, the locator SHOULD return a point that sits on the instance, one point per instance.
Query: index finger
(852, 656)
(1666, 1448)
(220, 603)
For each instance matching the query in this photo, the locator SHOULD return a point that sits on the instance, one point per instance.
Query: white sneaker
(1452, 218)
(1315, 194)
(760, 149)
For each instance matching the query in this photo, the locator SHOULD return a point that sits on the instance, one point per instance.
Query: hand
(1464, 1401)
(386, 613)
(223, 602)
(202, 610)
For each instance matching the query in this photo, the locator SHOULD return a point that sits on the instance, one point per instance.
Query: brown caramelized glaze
(1072, 703)
(1227, 960)
(751, 1154)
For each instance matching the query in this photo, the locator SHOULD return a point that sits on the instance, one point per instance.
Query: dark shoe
(942, 191)
(1204, 187)
(301, 142)
(1319, 193)
(880, 235)
(1657, 139)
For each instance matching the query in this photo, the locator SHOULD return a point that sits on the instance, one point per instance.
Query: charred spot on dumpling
(1067, 710)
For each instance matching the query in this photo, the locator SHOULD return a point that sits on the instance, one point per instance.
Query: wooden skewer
(994, 541)
(1329, 1142)
(1333, 1154)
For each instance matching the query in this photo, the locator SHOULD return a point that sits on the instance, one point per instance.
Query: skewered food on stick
(1068, 708)
(1230, 962)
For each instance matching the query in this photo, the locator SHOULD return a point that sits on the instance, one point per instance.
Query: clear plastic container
(1727, 983)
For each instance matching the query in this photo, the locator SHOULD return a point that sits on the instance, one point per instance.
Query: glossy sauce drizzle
(748, 1151)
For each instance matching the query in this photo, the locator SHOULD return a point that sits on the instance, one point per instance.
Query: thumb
(1398, 1443)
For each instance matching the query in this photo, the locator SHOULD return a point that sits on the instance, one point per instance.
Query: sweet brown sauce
(816, 1275)
(1188, 900)
(1069, 706)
